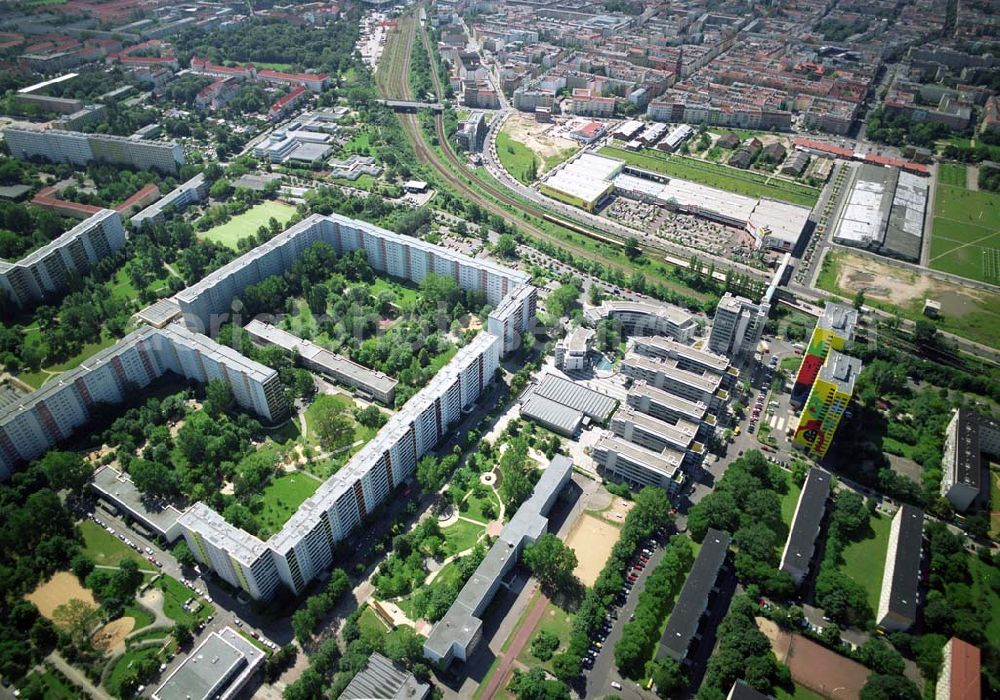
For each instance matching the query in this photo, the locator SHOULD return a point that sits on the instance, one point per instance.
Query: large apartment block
(194, 190)
(51, 414)
(513, 316)
(78, 148)
(834, 329)
(737, 326)
(831, 392)
(47, 271)
(687, 358)
(305, 546)
(203, 304)
(809, 513)
(703, 387)
(968, 437)
(671, 408)
(658, 435)
(900, 597)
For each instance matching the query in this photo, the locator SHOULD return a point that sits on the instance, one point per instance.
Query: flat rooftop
(666, 462)
(214, 666)
(539, 408)
(119, 489)
(658, 344)
(708, 382)
(594, 405)
(806, 522)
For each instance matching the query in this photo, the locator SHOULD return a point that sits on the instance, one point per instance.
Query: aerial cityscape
(500, 349)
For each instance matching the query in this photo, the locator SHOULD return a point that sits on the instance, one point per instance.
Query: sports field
(247, 223)
(721, 177)
(592, 539)
(58, 590)
(966, 238)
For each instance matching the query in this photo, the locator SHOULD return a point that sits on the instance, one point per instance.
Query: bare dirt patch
(538, 137)
(902, 287)
(61, 588)
(814, 666)
(113, 633)
(592, 540)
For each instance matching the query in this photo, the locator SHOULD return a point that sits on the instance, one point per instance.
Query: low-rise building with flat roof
(666, 374)
(682, 631)
(155, 515)
(372, 383)
(596, 406)
(557, 417)
(457, 634)
(384, 679)
(900, 597)
(802, 536)
(218, 669)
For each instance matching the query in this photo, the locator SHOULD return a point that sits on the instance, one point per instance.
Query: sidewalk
(499, 679)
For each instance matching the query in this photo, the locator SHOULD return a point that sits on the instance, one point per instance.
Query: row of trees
(841, 597)
(317, 606)
(641, 634)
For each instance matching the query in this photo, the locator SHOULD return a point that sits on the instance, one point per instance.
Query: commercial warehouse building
(883, 211)
(900, 597)
(682, 631)
(641, 318)
(552, 415)
(594, 405)
(369, 382)
(457, 634)
(583, 182)
(968, 437)
(52, 414)
(638, 466)
(78, 148)
(809, 513)
(217, 669)
(46, 272)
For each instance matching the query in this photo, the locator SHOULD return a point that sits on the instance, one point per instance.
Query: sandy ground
(814, 666)
(618, 510)
(902, 287)
(113, 633)
(592, 541)
(61, 588)
(535, 136)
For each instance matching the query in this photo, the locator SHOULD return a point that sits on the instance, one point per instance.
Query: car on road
(616, 685)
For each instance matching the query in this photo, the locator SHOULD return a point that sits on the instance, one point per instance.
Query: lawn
(475, 511)
(36, 379)
(994, 500)
(966, 238)
(788, 503)
(280, 67)
(364, 182)
(790, 364)
(461, 535)
(283, 496)
(864, 560)
(105, 548)
(549, 162)
(984, 588)
(247, 223)
(175, 594)
(516, 158)
(720, 176)
(369, 619)
(142, 617)
(406, 292)
(322, 403)
(557, 621)
(125, 662)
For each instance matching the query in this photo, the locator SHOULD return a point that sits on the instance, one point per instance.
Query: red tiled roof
(137, 197)
(824, 147)
(964, 682)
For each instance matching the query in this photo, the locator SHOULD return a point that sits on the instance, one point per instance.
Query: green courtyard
(282, 497)
(247, 223)
(864, 560)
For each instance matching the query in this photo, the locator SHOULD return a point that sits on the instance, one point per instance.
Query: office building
(371, 383)
(207, 303)
(968, 437)
(80, 149)
(179, 198)
(681, 635)
(641, 318)
(737, 327)
(457, 634)
(637, 466)
(571, 351)
(831, 393)
(218, 669)
(834, 329)
(47, 416)
(666, 374)
(46, 272)
(960, 677)
(687, 358)
(472, 132)
(671, 408)
(806, 524)
(383, 678)
(899, 599)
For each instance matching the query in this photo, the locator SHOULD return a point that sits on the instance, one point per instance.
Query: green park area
(175, 594)
(715, 175)
(329, 421)
(106, 549)
(460, 536)
(282, 497)
(247, 223)
(38, 378)
(551, 636)
(864, 559)
(46, 682)
(516, 158)
(789, 501)
(966, 237)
